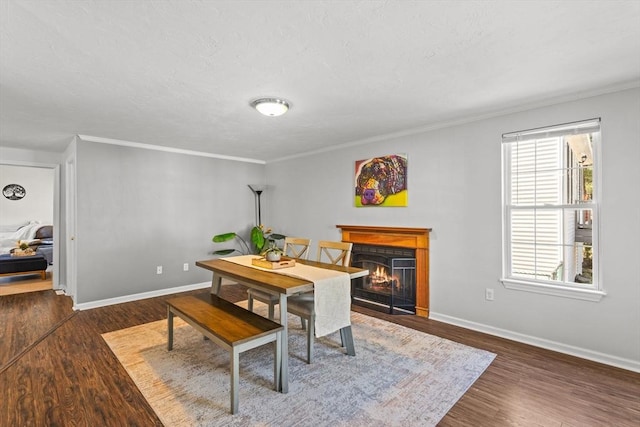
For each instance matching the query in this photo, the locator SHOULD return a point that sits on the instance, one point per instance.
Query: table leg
(347, 340)
(284, 345)
(216, 284)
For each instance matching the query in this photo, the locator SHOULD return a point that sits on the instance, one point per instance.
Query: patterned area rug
(399, 377)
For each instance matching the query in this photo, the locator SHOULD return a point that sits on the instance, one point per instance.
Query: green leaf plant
(261, 240)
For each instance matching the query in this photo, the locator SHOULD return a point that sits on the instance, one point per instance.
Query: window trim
(594, 295)
(596, 291)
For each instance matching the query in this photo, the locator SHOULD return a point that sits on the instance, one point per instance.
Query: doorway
(41, 201)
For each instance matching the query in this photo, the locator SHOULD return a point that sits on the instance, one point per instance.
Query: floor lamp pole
(257, 190)
(259, 193)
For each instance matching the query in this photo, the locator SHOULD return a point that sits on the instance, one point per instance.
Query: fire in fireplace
(391, 283)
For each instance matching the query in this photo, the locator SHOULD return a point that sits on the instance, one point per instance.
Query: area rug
(399, 377)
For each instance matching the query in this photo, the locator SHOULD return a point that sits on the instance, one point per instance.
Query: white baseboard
(143, 295)
(607, 359)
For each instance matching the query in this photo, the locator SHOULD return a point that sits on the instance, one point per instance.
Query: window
(550, 206)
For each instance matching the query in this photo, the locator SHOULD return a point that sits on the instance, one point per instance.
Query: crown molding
(89, 138)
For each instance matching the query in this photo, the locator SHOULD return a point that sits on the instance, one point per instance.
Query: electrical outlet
(159, 269)
(185, 266)
(488, 294)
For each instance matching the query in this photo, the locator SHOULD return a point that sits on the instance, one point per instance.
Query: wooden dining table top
(277, 282)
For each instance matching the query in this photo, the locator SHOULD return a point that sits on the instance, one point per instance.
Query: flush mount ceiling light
(271, 107)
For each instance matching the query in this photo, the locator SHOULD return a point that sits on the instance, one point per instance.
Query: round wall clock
(14, 191)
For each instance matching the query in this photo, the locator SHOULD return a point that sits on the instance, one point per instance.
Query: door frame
(56, 211)
(71, 288)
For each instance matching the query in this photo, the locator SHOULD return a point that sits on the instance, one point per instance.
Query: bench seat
(14, 265)
(229, 326)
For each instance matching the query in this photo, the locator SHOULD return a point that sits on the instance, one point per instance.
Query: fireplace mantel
(403, 237)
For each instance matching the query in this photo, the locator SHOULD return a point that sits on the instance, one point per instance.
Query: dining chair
(294, 247)
(303, 305)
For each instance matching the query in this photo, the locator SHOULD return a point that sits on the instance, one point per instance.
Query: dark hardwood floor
(56, 370)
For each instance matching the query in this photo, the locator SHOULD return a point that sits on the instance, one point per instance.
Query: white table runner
(332, 292)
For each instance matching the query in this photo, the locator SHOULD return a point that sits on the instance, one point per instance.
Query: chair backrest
(296, 247)
(335, 252)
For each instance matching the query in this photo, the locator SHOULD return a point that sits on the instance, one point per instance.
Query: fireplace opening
(391, 283)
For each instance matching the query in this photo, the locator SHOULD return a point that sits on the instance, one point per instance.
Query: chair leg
(303, 323)
(271, 310)
(310, 339)
(169, 329)
(250, 303)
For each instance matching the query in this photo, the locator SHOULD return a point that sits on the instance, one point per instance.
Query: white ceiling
(182, 73)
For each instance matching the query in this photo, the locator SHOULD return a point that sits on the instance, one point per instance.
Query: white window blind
(549, 205)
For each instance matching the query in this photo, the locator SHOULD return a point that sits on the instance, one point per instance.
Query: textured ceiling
(182, 73)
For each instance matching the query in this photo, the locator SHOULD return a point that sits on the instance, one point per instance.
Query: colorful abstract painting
(381, 181)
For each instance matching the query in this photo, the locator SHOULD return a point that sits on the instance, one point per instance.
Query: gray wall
(137, 209)
(455, 188)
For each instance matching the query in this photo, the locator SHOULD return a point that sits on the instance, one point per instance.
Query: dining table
(277, 283)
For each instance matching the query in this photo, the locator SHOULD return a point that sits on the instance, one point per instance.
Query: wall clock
(14, 191)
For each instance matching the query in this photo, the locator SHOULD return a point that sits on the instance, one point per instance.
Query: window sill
(547, 289)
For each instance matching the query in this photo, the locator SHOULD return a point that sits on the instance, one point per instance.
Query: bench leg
(169, 329)
(277, 361)
(235, 373)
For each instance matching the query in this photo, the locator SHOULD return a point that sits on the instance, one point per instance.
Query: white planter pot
(273, 256)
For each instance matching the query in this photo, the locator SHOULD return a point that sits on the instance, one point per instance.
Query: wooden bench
(229, 326)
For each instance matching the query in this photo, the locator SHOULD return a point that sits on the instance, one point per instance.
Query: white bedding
(9, 239)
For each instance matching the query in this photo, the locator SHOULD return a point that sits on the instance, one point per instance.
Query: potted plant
(273, 253)
(260, 238)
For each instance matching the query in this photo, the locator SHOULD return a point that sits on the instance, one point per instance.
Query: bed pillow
(44, 232)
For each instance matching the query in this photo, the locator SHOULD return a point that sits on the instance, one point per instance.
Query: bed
(37, 235)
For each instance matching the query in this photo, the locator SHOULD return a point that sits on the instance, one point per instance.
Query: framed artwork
(381, 181)
(14, 191)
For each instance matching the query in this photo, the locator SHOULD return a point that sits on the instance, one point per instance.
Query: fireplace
(415, 240)
(391, 283)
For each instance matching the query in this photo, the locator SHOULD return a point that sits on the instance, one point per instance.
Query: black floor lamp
(257, 190)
